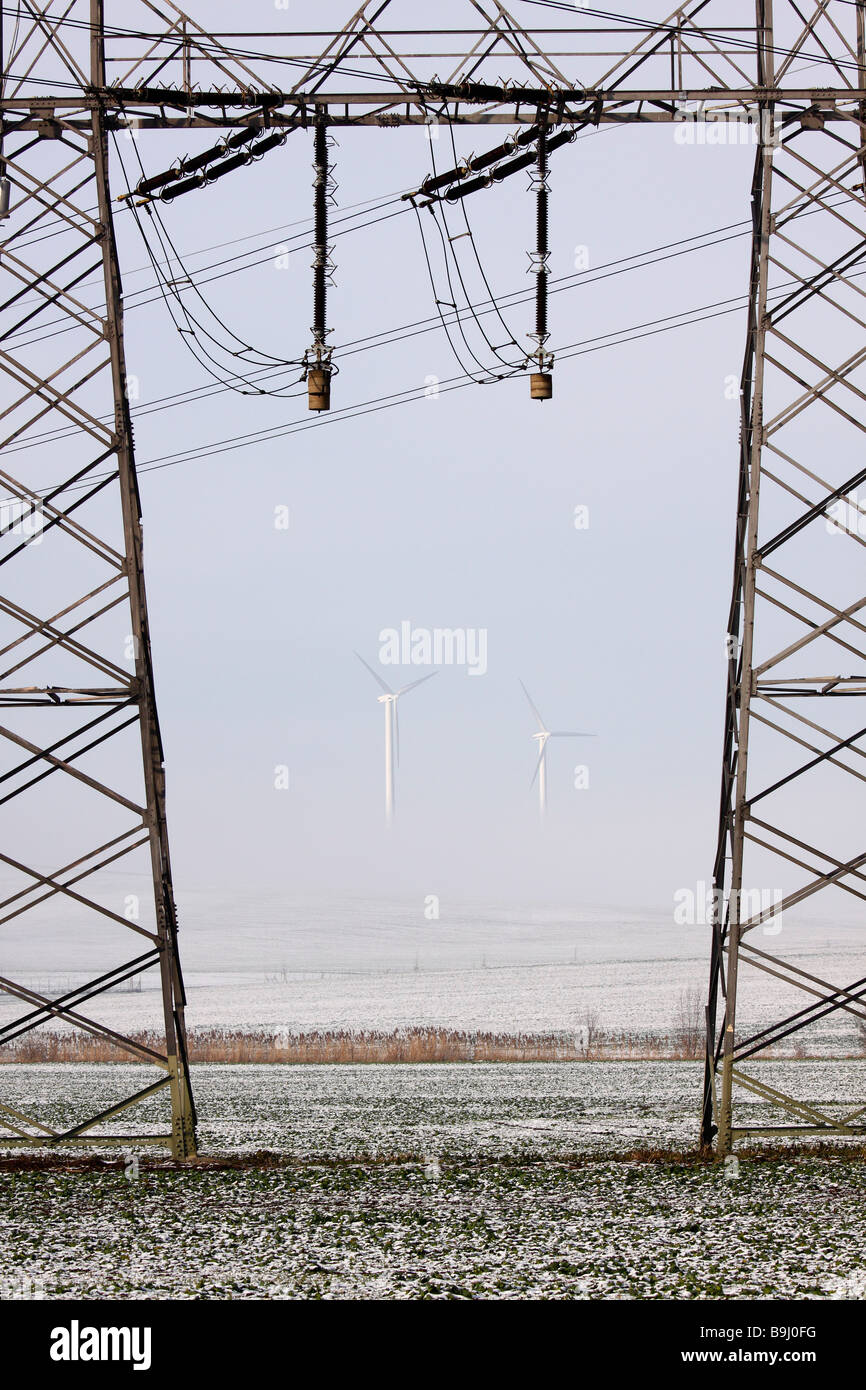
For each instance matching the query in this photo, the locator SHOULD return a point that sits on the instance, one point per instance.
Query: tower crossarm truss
(164, 70)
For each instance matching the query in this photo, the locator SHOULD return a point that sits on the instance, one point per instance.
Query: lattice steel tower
(83, 760)
(83, 752)
(796, 631)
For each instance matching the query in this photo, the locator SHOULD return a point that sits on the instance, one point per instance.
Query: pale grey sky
(455, 512)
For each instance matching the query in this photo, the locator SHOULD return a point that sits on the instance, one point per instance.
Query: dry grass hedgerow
(348, 1046)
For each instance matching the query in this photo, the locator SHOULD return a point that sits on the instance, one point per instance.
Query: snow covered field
(439, 1181)
(444, 1181)
(288, 966)
(551, 1109)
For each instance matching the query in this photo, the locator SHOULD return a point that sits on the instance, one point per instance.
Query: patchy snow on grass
(413, 1182)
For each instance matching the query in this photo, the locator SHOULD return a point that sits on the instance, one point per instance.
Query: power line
(608, 270)
(202, 47)
(448, 251)
(385, 201)
(323, 70)
(140, 303)
(189, 336)
(275, 366)
(452, 302)
(651, 328)
(650, 27)
(474, 247)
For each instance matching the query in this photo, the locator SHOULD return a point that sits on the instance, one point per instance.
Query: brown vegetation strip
(346, 1046)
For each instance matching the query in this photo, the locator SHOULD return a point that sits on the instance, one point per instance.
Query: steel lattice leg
(84, 755)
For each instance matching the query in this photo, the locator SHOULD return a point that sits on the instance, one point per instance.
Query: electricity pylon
(782, 825)
(796, 632)
(74, 607)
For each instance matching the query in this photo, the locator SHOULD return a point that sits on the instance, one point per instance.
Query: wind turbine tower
(543, 736)
(389, 700)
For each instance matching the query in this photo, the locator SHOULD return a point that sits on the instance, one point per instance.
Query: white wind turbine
(543, 735)
(392, 729)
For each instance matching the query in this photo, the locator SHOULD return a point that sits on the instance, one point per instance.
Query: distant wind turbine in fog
(543, 736)
(392, 729)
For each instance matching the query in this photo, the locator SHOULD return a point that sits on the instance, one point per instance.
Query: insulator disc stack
(541, 380)
(318, 358)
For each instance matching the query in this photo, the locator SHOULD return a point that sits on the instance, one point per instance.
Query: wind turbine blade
(569, 733)
(375, 674)
(412, 684)
(538, 765)
(396, 708)
(541, 724)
